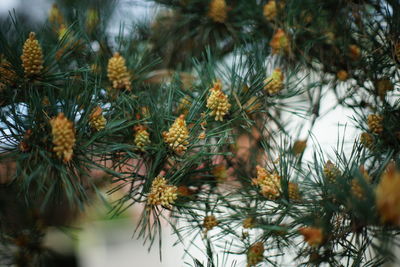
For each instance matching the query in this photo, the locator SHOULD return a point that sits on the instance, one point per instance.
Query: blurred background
(99, 240)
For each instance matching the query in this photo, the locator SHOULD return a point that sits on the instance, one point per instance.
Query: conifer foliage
(186, 113)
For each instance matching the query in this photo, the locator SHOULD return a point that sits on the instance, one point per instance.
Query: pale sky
(6, 5)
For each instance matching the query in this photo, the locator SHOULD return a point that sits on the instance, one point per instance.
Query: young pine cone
(255, 254)
(299, 146)
(161, 193)
(7, 74)
(218, 102)
(312, 235)
(274, 83)
(293, 191)
(55, 16)
(184, 105)
(279, 42)
(177, 135)
(342, 75)
(63, 133)
(141, 138)
(270, 10)
(357, 189)
(388, 197)
(354, 52)
(383, 86)
(331, 172)
(249, 223)
(209, 223)
(32, 56)
(367, 140)
(117, 73)
(97, 120)
(218, 11)
(375, 123)
(269, 183)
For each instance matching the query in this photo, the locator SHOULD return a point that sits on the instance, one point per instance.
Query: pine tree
(193, 101)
